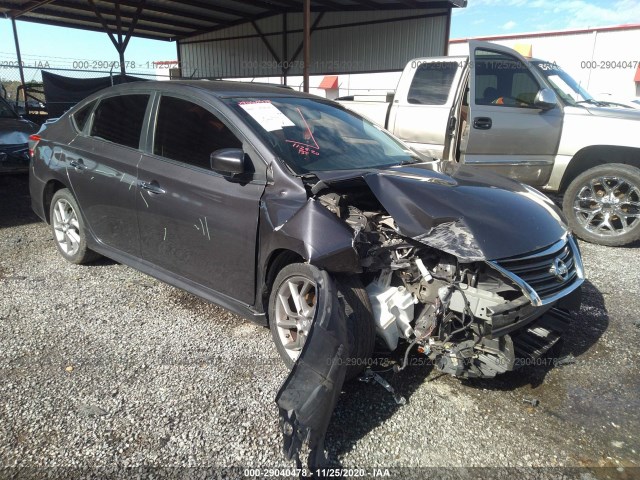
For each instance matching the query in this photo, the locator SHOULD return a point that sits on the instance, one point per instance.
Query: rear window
(119, 119)
(432, 83)
(81, 116)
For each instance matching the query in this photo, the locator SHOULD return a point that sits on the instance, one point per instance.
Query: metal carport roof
(176, 20)
(172, 20)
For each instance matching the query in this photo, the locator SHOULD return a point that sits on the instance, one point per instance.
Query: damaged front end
(471, 316)
(437, 285)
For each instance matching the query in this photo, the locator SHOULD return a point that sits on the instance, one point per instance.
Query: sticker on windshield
(266, 114)
(305, 149)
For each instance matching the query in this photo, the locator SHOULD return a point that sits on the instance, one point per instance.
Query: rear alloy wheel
(292, 307)
(68, 229)
(602, 205)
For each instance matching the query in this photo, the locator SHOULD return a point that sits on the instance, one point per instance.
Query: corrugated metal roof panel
(342, 42)
(193, 17)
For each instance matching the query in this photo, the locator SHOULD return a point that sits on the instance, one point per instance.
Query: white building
(604, 60)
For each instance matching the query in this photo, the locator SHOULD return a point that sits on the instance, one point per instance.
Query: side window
(119, 119)
(81, 116)
(503, 80)
(431, 83)
(189, 133)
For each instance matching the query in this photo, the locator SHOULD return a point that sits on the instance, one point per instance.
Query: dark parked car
(292, 211)
(14, 134)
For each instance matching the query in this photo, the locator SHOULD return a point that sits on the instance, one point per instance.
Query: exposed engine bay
(459, 314)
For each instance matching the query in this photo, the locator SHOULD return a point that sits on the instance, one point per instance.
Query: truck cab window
(503, 81)
(432, 83)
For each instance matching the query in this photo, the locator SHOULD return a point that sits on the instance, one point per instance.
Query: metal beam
(60, 12)
(86, 8)
(447, 34)
(301, 46)
(266, 42)
(105, 25)
(16, 13)
(307, 44)
(19, 57)
(94, 28)
(134, 23)
(35, 17)
(217, 8)
(182, 13)
(285, 47)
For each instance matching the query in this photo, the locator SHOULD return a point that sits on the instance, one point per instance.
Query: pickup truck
(526, 119)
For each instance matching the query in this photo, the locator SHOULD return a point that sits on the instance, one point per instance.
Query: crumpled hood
(15, 131)
(472, 214)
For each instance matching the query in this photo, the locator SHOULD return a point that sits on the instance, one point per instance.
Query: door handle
(152, 187)
(78, 165)
(482, 123)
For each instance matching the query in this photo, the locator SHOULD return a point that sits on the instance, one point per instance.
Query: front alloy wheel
(603, 205)
(294, 310)
(292, 306)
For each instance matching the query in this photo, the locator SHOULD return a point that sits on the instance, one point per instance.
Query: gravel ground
(104, 368)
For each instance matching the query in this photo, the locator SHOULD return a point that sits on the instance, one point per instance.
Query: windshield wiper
(591, 101)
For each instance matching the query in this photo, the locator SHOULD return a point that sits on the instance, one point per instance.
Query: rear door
(102, 167)
(506, 132)
(424, 104)
(194, 222)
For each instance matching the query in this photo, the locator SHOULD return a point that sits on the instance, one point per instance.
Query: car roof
(217, 88)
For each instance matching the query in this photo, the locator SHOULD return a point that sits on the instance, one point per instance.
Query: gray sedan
(294, 212)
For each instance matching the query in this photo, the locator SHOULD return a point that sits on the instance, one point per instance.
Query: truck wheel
(602, 205)
(291, 310)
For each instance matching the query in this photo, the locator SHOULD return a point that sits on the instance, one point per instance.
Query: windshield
(5, 110)
(562, 83)
(314, 135)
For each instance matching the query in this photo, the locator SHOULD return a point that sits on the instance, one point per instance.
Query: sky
(62, 46)
(501, 17)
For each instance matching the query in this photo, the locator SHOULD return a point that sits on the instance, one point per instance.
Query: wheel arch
(277, 260)
(595, 155)
(48, 192)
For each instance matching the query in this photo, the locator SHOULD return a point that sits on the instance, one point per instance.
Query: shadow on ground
(15, 201)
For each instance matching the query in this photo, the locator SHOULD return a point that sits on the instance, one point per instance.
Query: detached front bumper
(309, 394)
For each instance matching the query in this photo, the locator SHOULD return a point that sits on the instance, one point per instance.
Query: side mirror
(228, 161)
(546, 99)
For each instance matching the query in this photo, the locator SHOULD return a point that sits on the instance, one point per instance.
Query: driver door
(195, 223)
(506, 132)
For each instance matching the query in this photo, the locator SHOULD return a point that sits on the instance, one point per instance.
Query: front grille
(549, 273)
(538, 338)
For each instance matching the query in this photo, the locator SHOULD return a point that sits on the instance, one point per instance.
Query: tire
(360, 326)
(68, 229)
(602, 205)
